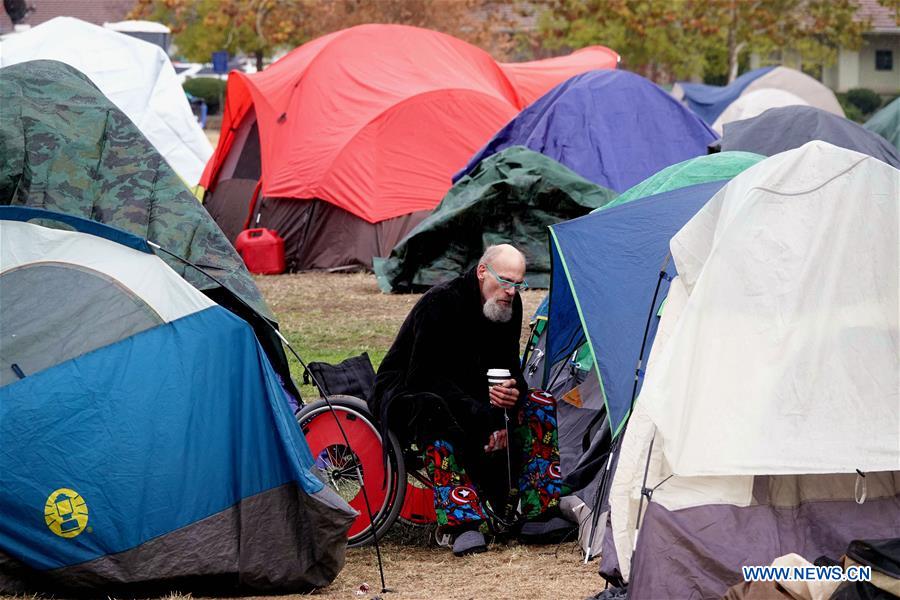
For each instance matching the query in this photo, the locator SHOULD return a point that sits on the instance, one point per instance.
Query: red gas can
(262, 251)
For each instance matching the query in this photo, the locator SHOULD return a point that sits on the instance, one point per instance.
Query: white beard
(497, 312)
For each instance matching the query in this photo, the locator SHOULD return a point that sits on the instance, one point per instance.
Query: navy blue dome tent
(710, 101)
(613, 128)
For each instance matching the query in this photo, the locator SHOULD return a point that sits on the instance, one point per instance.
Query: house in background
(105, 13)
(149, 31)
(96, 12)
(876, 65)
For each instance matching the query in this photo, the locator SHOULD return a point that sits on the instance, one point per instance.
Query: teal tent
(886, 123)
(711, 167)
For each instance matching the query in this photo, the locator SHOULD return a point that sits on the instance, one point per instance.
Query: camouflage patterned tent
(65, 147)
(511, 196)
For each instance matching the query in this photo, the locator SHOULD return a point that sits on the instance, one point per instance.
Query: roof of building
(97, 12)
(883, 19)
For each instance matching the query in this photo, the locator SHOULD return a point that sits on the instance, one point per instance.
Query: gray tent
(789, 127)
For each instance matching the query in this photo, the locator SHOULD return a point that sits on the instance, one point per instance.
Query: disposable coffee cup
(497, 376)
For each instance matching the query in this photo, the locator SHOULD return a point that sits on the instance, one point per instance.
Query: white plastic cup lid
(499, 373)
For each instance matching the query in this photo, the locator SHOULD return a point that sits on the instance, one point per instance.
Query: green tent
(886, 123)
(512, 196)
(711, 167)
(65, 147)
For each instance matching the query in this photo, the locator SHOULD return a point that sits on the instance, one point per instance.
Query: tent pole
(614, 446)
(644, 492)
(597, 505)
(384, 588)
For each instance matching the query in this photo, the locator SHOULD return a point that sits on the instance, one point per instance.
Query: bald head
(500, 266)
(503, 254)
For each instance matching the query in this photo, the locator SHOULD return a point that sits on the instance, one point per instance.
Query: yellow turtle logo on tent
(66, 513)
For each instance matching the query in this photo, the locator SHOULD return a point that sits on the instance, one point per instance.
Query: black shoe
(551, 531)
(469, 542)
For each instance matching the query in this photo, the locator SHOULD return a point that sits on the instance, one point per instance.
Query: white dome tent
(767, 423)
(136, 76)
(755, 103)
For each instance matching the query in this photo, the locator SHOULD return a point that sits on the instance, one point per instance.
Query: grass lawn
(332, 316)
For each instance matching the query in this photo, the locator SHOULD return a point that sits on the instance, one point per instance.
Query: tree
(815, 29)
(260, 27)
(658, 38)
(17, 10)
(484, 23)
(678, 37)
(256, 27)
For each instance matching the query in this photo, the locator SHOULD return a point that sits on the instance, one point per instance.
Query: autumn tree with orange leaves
(677, 38)
(261, 27)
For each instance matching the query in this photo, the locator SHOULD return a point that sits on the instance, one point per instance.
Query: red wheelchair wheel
(339, 465)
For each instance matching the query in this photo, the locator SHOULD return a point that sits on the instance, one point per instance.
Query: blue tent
(147, 443)
(709, 101)
(613, 128)
(605, 271)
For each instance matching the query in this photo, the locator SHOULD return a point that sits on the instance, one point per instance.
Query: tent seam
(327, 172)
(587, 336)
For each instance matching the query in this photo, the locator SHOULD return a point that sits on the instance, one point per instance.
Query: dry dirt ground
(507, 572)
(212, 130)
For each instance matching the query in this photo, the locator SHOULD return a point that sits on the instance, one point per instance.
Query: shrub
(864, 99)
(851, 111)
(208, 88)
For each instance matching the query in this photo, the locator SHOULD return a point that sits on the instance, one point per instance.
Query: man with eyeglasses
(432, 392)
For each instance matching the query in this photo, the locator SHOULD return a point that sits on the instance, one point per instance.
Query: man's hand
(504, 394)
(497, 441)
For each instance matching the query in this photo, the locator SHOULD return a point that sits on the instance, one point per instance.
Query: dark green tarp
(65, 147)
(510, 197)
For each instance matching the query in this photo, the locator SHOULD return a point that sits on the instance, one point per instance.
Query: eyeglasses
(506, 284)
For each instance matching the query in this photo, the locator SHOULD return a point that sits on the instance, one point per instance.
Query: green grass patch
(328, 317)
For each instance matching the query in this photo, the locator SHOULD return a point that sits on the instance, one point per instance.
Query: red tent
(534, 79)
(351, 139)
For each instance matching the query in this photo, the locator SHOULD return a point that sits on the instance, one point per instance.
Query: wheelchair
(394, 476)
(395, 482)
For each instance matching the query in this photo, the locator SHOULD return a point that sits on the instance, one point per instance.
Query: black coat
(442, 353)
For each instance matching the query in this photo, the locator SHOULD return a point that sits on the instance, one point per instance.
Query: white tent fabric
(138, 26)
(785, 358)
(798, 252)
(135, 75)
(755, 103)
(801, 85)
(145, 275)
(676, 492)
